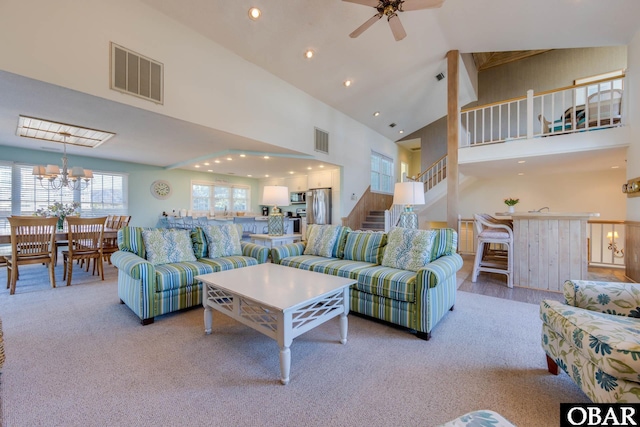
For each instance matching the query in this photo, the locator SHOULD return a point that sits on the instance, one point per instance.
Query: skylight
(31, 127)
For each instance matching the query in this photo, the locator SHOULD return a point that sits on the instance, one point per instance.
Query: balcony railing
(572, 109)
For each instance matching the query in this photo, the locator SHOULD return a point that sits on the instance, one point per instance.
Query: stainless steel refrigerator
(319, 206)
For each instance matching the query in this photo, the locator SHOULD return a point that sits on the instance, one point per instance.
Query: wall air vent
(321, 141)
(136, 75)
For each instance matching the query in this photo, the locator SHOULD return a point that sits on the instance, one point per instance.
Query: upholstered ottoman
(482, 417)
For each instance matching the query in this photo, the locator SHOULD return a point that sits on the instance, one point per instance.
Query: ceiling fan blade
(361, 29)
(372, 3)
(407, 5)
(396, 27)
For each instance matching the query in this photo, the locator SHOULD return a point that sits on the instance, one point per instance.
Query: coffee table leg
(208, 319)
(285, 364)
(344, 326)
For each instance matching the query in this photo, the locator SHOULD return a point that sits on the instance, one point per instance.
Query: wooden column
(453, 126)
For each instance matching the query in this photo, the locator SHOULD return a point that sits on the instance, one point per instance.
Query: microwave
(298, 197)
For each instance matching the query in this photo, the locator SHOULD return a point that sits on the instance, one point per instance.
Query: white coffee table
(280, 302)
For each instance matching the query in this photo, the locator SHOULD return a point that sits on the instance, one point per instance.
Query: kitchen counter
(549, 248)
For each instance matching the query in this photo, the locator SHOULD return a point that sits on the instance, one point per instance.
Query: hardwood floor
(495, 284)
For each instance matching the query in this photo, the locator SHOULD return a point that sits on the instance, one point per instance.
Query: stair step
(376, 213)
(371, 218)
(372, 226)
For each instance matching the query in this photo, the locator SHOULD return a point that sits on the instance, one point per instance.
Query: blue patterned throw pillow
(165, 246)
(408, 248)
(321, 239)
(223, 240)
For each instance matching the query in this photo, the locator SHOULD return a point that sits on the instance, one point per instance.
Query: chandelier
(52, 178)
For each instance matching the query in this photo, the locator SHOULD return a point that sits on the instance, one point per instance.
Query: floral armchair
(595, 338)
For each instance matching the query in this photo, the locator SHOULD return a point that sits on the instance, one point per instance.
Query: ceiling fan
(390, 8)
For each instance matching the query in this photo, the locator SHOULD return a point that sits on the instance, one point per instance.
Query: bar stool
(491, 230)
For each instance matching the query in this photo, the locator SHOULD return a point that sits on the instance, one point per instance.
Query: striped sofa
(151, 290)
(417, 297)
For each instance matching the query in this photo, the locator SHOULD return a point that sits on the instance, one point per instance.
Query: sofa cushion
(445, 242)
(130, 240)
(180, 275)
(222, 240)
(199, 242)
(408, 249)
(387, 282)
(365, 246)
(321, 240)
(229, 262)
(165, 246)
(340, 267)
(305, 262)
(612, 343)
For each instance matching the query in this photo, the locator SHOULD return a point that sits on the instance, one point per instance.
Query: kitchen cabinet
(319, 179)
(296, 183)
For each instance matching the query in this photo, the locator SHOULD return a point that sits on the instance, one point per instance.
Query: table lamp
(408, 193)
(276, 195)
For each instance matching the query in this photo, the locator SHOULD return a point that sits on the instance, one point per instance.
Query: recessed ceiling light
(254, 13)
(266, 176)
(216, 161)
(321, 166)
(521, 173)
(249, 175)
(309, 168)
(266, 157)
(521, 161)
(347, 83)
(206, 163)
(243, 155)
(291, 172)
(615, 167)
(197, 166)
(376, 114)
(229, 158)
(400, 131)
(308, 54)
(209, 170)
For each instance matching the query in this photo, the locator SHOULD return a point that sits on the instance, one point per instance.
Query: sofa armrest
(284, 251)
(618, 298)
(132, 265)
(439, 270)
(259, 252)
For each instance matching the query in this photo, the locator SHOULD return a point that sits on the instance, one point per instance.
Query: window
(381, 173)
(583, 93)
(22, 194)
(213, 197)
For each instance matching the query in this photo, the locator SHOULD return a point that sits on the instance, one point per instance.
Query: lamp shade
(275, 195)
(408, 193)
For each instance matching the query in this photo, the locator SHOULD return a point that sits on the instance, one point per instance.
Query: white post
(530, 114)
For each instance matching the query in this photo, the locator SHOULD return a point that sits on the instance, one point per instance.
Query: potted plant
(511, 203)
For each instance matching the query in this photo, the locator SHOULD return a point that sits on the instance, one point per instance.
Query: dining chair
(110, 244)
(86, 239)
(32, 242)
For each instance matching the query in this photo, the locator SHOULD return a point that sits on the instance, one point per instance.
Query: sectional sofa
(157, 266)
(406, 277)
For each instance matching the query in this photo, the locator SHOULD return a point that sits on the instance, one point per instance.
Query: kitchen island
(549, 248)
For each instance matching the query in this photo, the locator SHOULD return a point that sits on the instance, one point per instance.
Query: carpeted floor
(76, 357)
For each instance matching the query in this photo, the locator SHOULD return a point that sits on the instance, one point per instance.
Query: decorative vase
(512, 209)
(60, 222)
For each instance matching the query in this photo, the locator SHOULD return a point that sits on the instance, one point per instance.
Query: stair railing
(391, 217)
(434, 174)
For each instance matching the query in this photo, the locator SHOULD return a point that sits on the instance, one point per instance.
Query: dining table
(109, 233)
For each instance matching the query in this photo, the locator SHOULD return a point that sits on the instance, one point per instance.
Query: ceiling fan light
(309, 54)
(347, 83)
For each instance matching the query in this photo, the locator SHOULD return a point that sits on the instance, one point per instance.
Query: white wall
(633, 152)
(577, 192)
(67, 43)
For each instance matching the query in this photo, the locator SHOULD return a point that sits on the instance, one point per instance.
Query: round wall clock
(161, 189)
